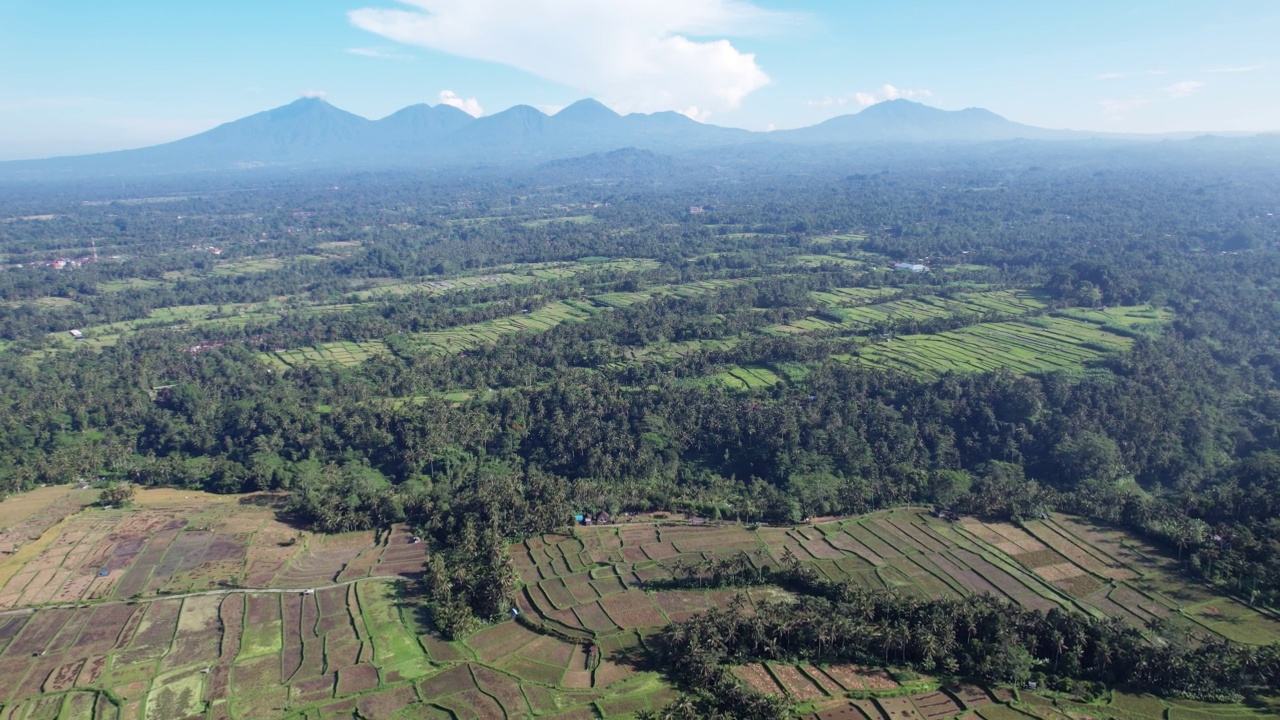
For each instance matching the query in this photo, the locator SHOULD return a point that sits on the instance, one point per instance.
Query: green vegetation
(1051, 343)
(1088, 367)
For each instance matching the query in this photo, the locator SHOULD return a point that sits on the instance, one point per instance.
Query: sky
(79, 76)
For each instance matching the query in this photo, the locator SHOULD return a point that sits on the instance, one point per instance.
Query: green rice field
(345, 353)
(848, 308)
(1055, 342)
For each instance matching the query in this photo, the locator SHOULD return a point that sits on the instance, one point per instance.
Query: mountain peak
(424, 120)
(587, 110)
(899, 107)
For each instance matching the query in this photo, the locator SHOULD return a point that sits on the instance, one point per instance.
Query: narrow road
(202, 593)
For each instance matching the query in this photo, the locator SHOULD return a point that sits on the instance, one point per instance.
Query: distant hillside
(313, 133)
(626, 162)
(906, 121)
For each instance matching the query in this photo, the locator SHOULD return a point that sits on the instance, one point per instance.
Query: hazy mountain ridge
(313, 133)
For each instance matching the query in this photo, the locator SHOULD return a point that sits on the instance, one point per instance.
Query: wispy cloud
(867, 99)
(379, 53)
(1116, 108)
(470, 106)
(1186, 88)
(1130, 74)
(634, 55)
(314, 94)
(1241, 69)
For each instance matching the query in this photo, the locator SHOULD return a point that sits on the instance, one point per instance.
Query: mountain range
(313, 133)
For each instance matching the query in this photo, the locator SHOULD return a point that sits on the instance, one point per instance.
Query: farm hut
(76, 334)
(910, 267)
(603, 518)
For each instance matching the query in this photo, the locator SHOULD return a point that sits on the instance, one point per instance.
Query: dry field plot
(596, 593)
(175, 542)
(237, 655)
(607, 578)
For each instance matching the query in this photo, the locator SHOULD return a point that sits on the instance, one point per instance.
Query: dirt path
(202, 593)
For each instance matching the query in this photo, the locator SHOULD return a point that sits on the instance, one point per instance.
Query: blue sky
(79, 76)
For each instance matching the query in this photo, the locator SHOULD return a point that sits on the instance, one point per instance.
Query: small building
(76, 334)
(910, 267)
(603, 518)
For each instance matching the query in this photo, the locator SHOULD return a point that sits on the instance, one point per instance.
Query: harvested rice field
(205, 611)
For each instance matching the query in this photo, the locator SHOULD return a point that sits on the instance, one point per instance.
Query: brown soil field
(632, 609)
(1059, 572)
(500, 641)
(558, 594)
(757, 677)
(853, 677)
(503, 687)
(1038, 559)
(454, 680)
(899, 708)
(611, 673)
(800, 687)
(593, 617)
(549, 651)
(1079, 587)
(845, 711)
(936, 705)
(357, 679)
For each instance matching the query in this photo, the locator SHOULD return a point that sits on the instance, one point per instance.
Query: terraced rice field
(1042, 344)
(345, 353)
(588, 600)
(445, 342)
(854, 297)
(850, 309)
(747, 378)
(183, 542)
(596, 583)
(239, 655)
(180, 317)
(465, 337)
(502, 275)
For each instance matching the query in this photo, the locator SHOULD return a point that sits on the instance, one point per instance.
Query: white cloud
(378, 53)
(867, 99)
(633, 55)
(1242, 69)
(470, 106)
(1186, 88)
(1126, 75)
(314, 94)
